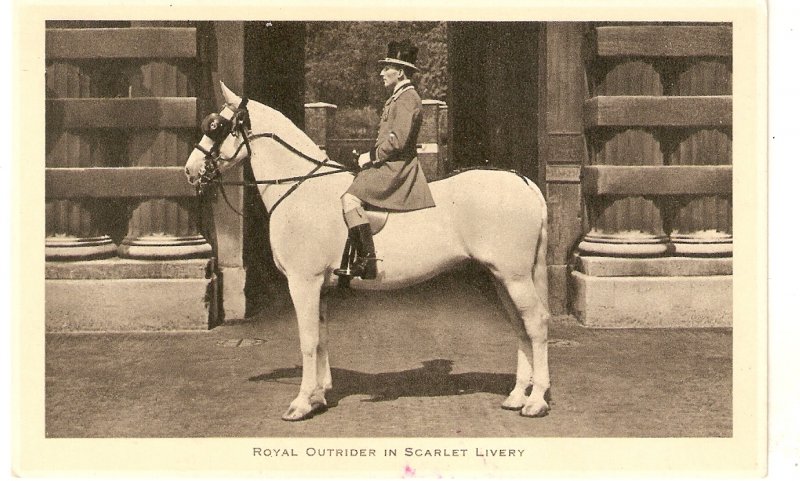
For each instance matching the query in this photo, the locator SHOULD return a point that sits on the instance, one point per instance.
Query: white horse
(497, 218)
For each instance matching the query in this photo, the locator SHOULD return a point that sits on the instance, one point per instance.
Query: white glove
(363, 159)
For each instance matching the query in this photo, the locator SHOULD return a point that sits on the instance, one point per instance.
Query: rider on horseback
(391, 177)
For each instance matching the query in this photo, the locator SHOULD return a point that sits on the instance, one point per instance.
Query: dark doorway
(274, 69)
(493, 95)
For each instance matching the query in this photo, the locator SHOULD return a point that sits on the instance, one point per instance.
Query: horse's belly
(414, 247)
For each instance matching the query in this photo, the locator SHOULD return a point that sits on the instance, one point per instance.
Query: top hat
(401, 53)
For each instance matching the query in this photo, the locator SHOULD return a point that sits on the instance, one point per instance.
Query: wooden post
(74, 229)
(161, 228)
(444, 143)
(228, 40)
(562, 149)
(428, 142)
(319, 121)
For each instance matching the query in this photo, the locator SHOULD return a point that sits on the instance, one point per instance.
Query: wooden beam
(97, 43)
(657, 180)
(658, 111)
(664, 41)
(122, 113)
(110, 182)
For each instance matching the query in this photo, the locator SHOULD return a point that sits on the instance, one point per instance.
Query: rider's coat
(396, 181)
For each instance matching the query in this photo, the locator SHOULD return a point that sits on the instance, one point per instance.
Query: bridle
(218, 128)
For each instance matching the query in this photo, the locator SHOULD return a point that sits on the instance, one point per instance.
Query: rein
(241, 127)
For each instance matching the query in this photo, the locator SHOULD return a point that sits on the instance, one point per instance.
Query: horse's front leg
(306, 299)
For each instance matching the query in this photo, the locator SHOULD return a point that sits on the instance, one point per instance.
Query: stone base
(159, 247)
(233, 301)
(657, 267)
(68, 248)
(652, 301)
(112, 295)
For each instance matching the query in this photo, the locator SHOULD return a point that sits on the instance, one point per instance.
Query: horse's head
(222, 144)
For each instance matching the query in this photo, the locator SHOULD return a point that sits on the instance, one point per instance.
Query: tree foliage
(341, 60)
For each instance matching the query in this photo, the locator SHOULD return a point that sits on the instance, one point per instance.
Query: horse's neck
(272, 161)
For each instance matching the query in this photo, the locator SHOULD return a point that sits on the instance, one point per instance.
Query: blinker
(216, 127)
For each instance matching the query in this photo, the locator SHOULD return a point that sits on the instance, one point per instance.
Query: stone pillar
(74, 228)
(319, 121)
(629, 225)
(702, 225)
(657, 187)
(429, 140)
(161, 228)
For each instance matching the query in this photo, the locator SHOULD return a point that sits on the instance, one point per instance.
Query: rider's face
(391, 75)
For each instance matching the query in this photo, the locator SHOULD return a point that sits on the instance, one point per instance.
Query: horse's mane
(265, 119)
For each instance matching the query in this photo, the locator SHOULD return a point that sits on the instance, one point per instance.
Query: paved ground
(436, 360)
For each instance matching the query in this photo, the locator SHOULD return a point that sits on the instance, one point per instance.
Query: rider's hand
(363, 159)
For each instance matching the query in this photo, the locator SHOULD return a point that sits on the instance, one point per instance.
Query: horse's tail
(540, 277)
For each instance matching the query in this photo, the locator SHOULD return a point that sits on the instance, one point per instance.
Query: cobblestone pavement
(436, 360)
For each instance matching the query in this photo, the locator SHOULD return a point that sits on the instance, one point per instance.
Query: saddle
(377, 218)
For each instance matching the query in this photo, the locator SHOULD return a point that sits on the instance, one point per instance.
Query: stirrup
(344, 272)
(358, 268)
(358, 258)
(348, 259)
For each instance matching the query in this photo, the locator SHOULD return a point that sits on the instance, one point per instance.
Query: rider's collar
(400, 85)
(400, 88)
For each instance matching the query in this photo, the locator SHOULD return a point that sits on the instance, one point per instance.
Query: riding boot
(365, 265)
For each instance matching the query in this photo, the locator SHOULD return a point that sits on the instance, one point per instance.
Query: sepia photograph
(402, 245)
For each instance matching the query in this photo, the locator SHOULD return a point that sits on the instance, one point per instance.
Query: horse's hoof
(514, 401)
(293, 414)
(318, 409)
(304, 412)
(510, 407)
(535, 411)
(318, 401)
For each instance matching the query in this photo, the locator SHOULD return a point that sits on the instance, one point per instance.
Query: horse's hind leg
(524, 378)
(324, 381)
(532, 365)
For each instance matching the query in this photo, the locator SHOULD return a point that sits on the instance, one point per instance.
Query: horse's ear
(230, 97)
